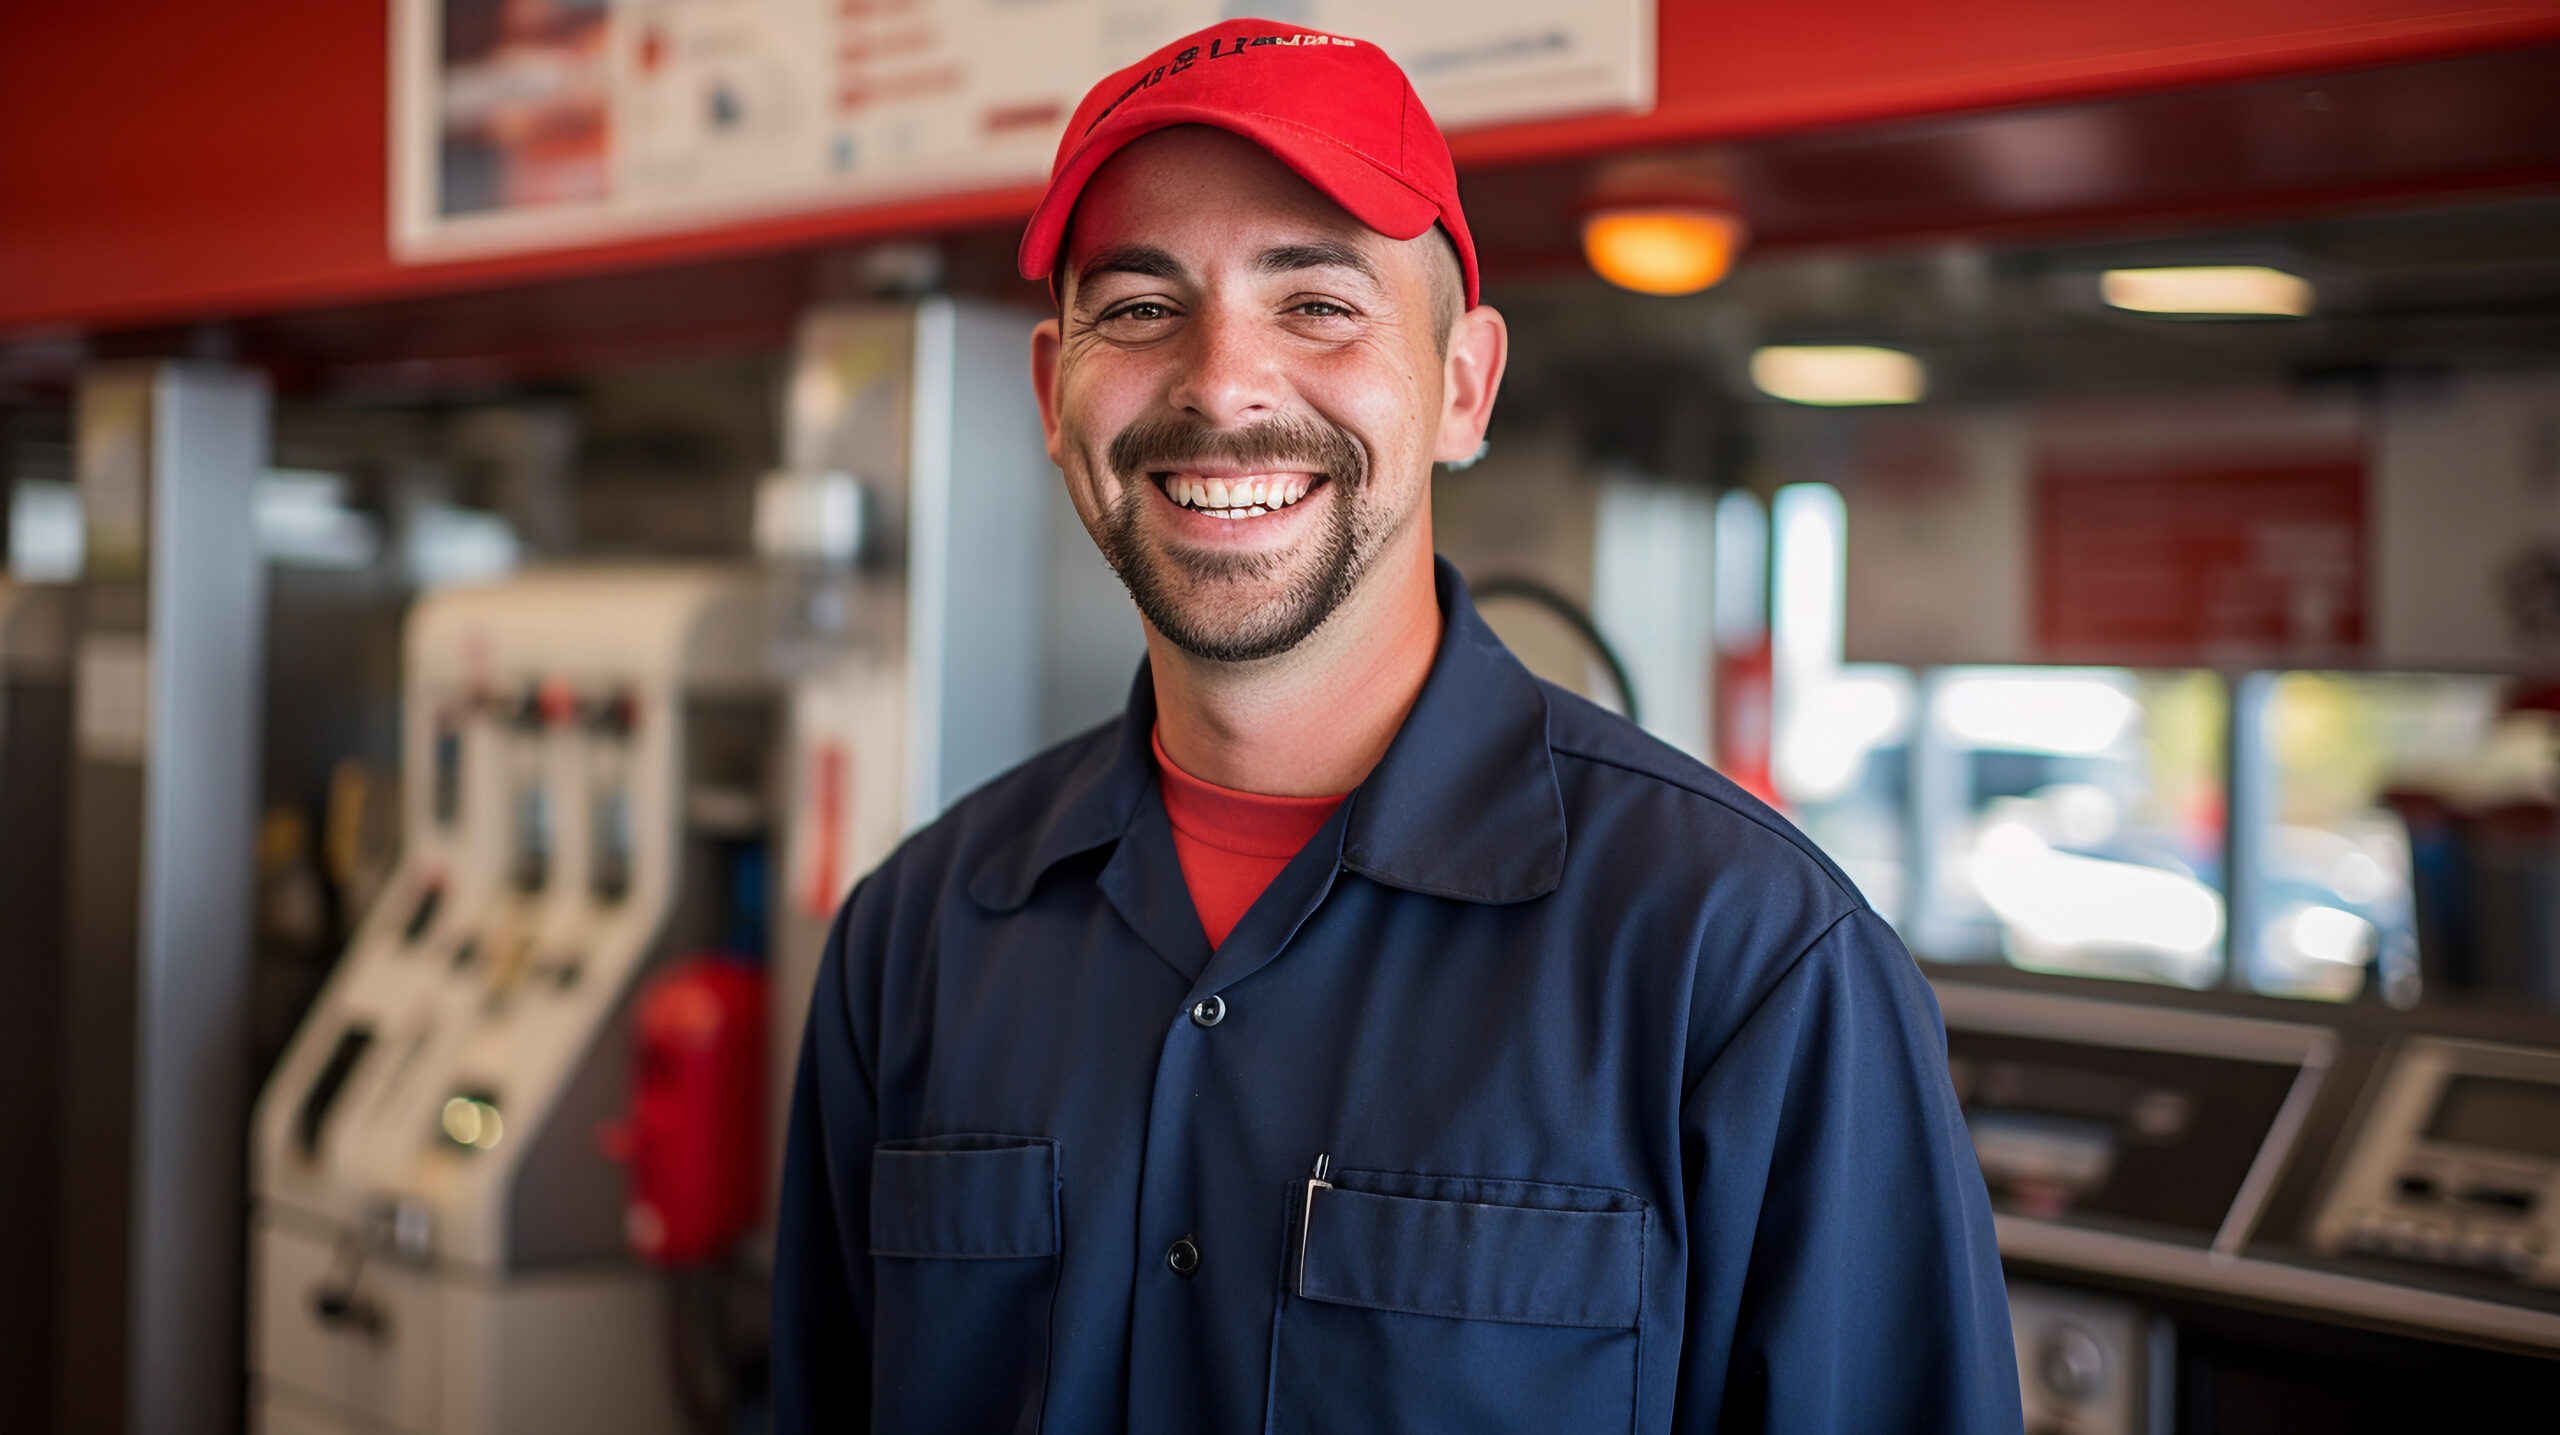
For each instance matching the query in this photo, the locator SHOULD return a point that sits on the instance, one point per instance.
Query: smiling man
(1357, 1034)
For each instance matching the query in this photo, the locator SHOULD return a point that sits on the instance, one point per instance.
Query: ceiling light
(1662, 249)
(2208, 289)
(1838, 374)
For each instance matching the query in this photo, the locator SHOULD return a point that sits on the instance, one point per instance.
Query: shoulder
(1678, 852)
(1623, 785)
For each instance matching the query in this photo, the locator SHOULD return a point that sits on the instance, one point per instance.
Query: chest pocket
(964, 1254)
(1419, 1302)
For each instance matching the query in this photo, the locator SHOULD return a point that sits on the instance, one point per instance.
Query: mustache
(1298, 443)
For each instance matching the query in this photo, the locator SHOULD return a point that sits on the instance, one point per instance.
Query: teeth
(1240, 498)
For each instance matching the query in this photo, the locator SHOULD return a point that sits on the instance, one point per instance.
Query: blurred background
(511, 506)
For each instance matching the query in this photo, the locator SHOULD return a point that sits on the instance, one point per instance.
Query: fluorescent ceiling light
(1838, 374)
(2208, 289)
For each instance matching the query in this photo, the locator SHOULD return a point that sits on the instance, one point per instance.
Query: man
(1358, 1034)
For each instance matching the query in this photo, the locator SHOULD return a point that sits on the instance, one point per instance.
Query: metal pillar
(2250, 808)
(159, 922)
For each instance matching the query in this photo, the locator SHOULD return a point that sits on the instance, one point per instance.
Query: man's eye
(1143, 312)
(1322, 309)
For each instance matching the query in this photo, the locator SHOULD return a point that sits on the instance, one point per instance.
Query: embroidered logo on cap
(1190, 55)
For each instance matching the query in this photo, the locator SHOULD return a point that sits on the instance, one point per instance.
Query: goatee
(1186, 593)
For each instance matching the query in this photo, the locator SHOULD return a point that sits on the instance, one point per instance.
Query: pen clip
(1307, 1212)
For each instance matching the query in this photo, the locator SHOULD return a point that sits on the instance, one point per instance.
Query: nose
(1230, 373)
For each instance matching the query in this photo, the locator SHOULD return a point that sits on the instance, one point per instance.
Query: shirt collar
(1464, 804)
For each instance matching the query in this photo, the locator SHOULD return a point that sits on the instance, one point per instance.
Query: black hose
(1575, 617)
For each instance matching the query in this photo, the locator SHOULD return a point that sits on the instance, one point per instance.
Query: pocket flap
(1473, 1260)
(969, 1196)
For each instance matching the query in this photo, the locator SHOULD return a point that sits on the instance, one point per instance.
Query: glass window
(1844, 771)
(1840, 732)
(2406, 840)
(2072, 820)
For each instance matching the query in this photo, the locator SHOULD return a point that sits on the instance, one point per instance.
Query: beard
(1240, 607)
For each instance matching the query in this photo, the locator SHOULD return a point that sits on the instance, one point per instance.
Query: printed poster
(524, 124)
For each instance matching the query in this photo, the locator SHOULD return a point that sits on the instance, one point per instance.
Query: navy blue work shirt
(1633, 1116)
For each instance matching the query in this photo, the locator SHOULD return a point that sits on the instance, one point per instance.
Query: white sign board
(522, 124)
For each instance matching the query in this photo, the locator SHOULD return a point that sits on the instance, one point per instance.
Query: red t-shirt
(1231, 844)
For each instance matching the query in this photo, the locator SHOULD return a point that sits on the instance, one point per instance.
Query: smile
(1244, 495)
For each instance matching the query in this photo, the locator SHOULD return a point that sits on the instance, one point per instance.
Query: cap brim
(1342, 174)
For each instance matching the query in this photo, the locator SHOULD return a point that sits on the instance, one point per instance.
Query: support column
(167, 656)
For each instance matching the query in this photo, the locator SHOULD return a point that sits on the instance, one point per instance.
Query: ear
(1471, 374)
(1044, 383)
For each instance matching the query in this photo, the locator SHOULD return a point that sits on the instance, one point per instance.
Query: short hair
(1448, 287)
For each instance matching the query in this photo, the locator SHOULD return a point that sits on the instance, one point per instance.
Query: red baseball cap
(1336, 110)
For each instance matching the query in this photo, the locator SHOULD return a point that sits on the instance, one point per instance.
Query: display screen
(2502, 1115)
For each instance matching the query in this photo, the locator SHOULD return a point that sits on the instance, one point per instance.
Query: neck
(1310, 722)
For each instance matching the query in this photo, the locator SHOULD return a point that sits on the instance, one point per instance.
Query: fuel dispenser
(440, 1236)
(515, 1172)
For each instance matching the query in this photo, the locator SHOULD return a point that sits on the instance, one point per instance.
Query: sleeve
(822, 1300)
(1843, 1272)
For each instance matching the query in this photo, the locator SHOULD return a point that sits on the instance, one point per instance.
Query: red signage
(2198, 563)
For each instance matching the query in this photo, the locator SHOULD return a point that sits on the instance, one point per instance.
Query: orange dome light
(1662, 249)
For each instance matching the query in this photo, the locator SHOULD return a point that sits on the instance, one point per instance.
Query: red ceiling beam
(163, 161)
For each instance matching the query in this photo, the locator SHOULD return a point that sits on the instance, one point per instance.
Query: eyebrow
(1316, 254)
(1149, 262)
(1143, 260)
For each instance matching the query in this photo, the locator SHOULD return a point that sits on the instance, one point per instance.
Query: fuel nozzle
(527, 716)
(609, 719)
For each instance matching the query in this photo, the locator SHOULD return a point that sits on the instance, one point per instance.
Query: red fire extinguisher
(693, 1139)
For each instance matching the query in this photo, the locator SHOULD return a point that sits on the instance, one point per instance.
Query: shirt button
(1208, 1011)
(1183, 1257)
